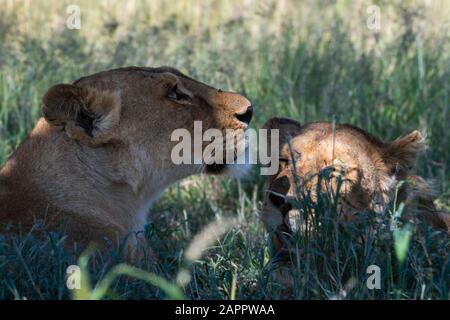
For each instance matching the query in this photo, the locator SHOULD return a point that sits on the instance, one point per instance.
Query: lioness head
(104, 149)
(316, 156)
(141, 108)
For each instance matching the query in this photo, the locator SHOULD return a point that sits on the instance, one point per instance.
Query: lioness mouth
(218, 168)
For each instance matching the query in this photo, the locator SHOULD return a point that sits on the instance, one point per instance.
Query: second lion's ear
(287, 129)
(401, 154)
(87, 114)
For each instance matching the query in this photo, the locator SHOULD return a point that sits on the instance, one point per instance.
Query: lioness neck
(51, 176)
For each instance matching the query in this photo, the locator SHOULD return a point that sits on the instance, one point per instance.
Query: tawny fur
(369, 168)
(92, 166)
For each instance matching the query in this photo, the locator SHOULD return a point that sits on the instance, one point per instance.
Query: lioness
(101, 153)
(369, 170)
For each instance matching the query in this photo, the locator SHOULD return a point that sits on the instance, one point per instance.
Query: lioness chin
(101, 153)
(364, 171)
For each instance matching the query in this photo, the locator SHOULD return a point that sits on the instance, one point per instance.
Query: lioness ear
(401, 154)
(288, 129)
(86, 114)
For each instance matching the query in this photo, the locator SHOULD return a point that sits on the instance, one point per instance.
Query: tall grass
(310, 60)
(336, 258)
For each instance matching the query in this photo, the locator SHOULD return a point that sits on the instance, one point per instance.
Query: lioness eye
(276, 200)
(177, 95)
(280, 203)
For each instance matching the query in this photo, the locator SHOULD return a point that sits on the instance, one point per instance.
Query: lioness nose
(246, 116)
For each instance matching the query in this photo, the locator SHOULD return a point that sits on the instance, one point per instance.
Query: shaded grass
(310, 60)
(334, 259)
(332, 265)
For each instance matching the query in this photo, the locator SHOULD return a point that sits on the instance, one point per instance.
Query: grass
(310, 60)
